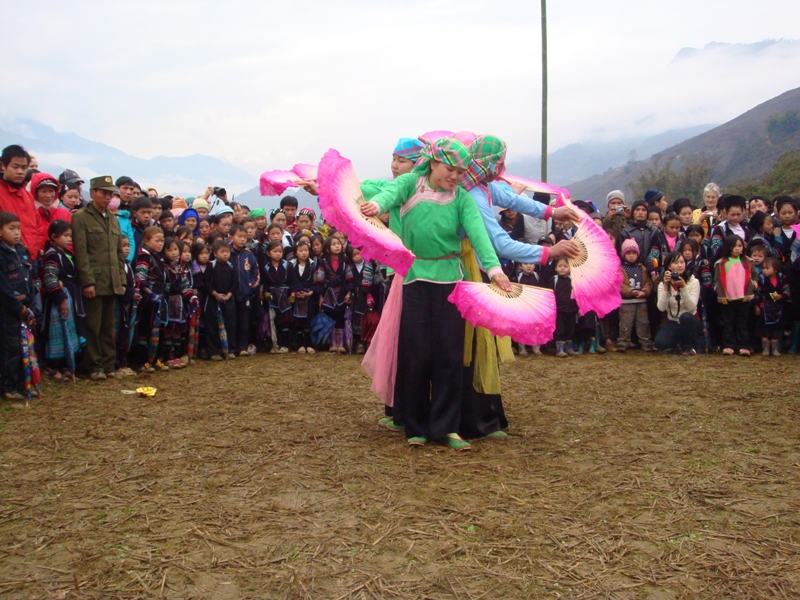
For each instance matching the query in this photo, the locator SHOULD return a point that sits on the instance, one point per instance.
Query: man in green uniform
(101, 270)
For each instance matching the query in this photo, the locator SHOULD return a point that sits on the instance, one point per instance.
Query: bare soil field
(624, 476)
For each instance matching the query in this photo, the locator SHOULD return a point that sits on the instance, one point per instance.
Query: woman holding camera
(678, 295)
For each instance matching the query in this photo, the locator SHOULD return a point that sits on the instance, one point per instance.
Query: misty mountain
(744, 147)
(182, 176)
(578, 161)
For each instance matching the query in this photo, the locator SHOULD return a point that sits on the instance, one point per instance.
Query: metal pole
(544, 90)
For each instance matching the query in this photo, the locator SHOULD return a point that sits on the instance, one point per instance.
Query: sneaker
(691, 352)
(231, 356)
(147, 368)
(216, 357)
(728, 352)
(537, 351)
(301, 350)
(251, 350)
(97, 376)
(610, 346)
(14, 397)
(160, 366)
(175, 363)
(310, 350)
(125, 372)
(744, 352)
(283, 350)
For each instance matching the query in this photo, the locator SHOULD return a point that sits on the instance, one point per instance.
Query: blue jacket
(126, 229)
(246, 266)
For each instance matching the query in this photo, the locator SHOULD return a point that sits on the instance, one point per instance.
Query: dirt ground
(624, 476)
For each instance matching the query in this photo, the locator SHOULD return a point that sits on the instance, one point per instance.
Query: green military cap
(104, 182)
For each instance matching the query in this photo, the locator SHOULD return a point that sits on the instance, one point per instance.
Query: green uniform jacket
(98, 257)
(430, 230)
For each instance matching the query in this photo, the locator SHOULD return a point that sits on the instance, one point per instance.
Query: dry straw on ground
(623, 477)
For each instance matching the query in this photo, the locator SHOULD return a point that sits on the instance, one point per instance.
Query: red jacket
(20, 202)
(48, 215)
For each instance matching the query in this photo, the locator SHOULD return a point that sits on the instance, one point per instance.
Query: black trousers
(735, 319)
(565, 326)
(430, 371)
(10, 352)
(684, 333)
(481, 414)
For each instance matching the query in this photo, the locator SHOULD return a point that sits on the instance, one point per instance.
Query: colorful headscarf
(410, 148)
(488, 158)
(447, 150)
(309, 212)
(258, 212)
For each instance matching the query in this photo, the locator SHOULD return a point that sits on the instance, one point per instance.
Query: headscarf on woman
(488, 159)
(409, 148)
(446, 150)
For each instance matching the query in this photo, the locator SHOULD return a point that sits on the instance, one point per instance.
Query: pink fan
(796, 229)
(596, 273)
(340, 199)
(527, 314)
(305, 171)
(274, 183)
(432, 136)
(538, 186)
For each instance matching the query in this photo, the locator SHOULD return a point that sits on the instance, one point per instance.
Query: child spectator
(678, 295)
(700, 269)
(771, 296)
(277, 292)
(302, 286)
(126, 325)
(151, 283)
(289, 208)
(759, 251)
(683, 208)
(567, 309)
(734, 207)
(204, 229)
(178, 292)
(735, 284)
(654, 217)
(761, 230)
(361, 299)
(248, 278)
(200, 258)
(167, 222)
(317, 246)
(636, 287)
(141, 219)
(785, 237)
(63, 306)
(305, 221)
(223, 224)
(334, 284)
(221, 281)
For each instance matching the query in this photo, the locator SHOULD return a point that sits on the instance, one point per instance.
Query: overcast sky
(267, 84)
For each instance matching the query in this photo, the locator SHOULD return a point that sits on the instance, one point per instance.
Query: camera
(619, 209)
(674, 275)
(220, 192)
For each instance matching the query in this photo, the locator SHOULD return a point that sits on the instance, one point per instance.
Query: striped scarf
(446, 150)
(409, 148)
(488, 158)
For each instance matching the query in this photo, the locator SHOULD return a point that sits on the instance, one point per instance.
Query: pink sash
(380, 361)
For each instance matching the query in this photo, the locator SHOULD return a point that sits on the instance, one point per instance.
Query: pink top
(670, 241)
(735, 279)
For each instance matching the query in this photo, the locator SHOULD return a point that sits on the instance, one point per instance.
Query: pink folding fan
(596, 272)
(340, 199)
(274, 183)
(538, 186)
(527, 314)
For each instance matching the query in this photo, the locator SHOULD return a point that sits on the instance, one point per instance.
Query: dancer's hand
(566, 248)
(518, 187)
(566, 213)
(501, 281)
(370, 209)
(310, 186)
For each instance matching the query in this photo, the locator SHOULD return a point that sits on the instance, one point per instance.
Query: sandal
(52, 373)
(417, 441)
(456, 442)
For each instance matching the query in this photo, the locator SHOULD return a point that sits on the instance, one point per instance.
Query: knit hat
(200, 203)
(653, 196)
(629, 245)
(179, 203)
(615, 194)
(637, 204)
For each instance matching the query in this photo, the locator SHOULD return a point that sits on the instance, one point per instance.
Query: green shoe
(456, 442)
(388, 422)
(496, 435)
(417, 441)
